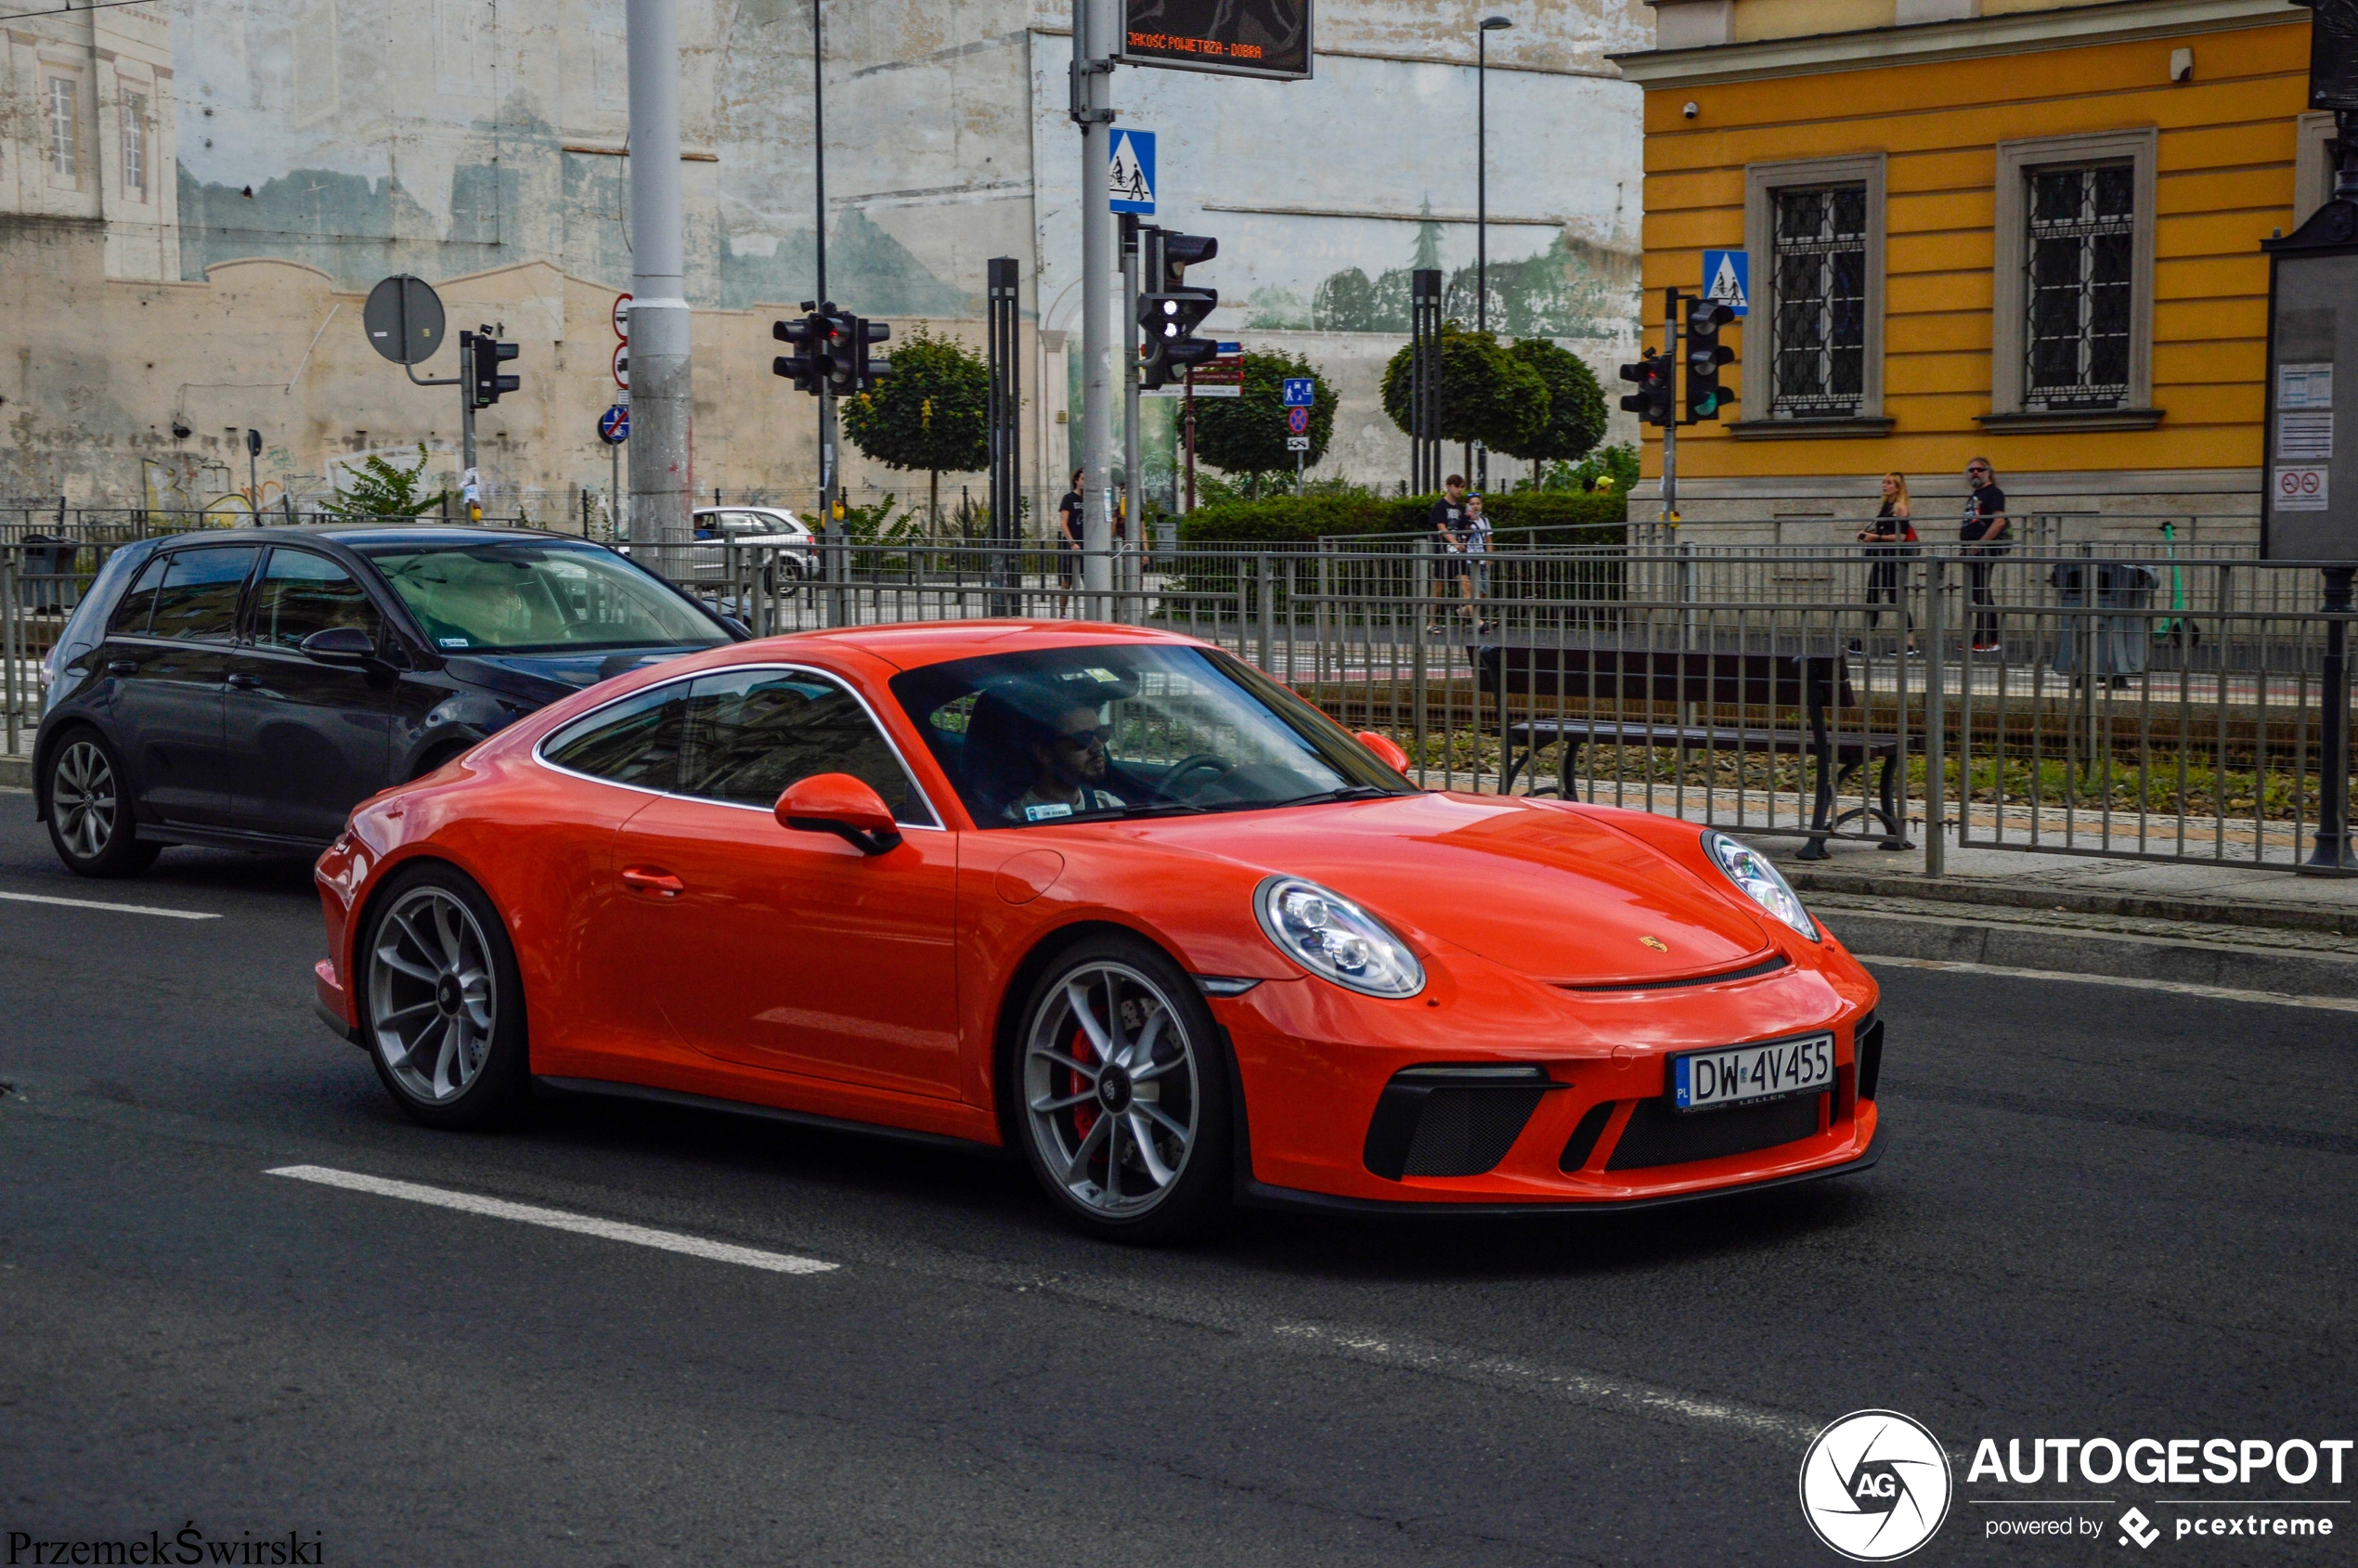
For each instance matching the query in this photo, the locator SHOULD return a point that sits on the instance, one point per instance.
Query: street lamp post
(1482, 198)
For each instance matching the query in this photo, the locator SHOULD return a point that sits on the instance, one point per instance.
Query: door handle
(645, 879)
(122, 667)
(244, 682)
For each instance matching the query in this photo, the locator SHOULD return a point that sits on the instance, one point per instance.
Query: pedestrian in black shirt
(1069, 540)
(1889, 540)
(1986, 535)
(1448, 524)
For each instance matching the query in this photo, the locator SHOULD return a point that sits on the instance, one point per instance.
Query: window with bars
(2078, 256)
(134, 146)
(1819, 236)
(64, 122)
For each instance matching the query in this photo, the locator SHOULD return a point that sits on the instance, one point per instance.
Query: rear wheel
(1123, 1093)
(441, 1001)
(90, 819)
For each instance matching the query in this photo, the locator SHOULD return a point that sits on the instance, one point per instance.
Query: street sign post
(403, 319)
(622, 316)
(1297, 442)
(614, 425)
(622, 365)
(1269, 38)
(1726, 279)
(1301, 392)
(1297, 421)
(1131, 175)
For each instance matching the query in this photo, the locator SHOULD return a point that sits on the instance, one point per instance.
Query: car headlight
(1762, 883)
(1336, 940)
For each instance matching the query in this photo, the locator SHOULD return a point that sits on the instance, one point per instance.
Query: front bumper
(1316, 1064)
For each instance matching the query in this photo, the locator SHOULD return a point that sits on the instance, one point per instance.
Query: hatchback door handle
(122, 667)
(244, 682)
(646, 879)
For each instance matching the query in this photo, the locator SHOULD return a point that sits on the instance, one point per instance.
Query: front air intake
(1451, 1121)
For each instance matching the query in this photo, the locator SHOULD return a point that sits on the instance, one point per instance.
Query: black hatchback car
(245, 689)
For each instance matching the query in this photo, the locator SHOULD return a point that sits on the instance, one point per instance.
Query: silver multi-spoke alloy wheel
(433, 994)
(83, 799)
(1112, 1089)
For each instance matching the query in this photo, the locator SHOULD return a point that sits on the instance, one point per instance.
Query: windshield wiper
(1320, 796)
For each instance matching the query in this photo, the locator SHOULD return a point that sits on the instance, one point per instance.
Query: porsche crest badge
(1656, 943)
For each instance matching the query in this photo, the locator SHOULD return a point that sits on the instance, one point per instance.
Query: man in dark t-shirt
(1448, 524)
(1068, 539)
(1985, 534)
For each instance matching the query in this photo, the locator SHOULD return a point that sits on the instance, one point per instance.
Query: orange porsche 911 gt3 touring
(1109, 896)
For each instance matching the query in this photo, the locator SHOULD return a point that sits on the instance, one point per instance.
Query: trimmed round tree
(1486, 394)
(932, 411)
(1575, 407)
(1246, 434)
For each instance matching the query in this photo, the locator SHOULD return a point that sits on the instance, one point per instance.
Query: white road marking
(118, 909)
(556, 1218)
(2181, 987)
(1626, 1396)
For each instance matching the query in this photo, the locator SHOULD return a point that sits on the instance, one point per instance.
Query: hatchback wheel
(90, 820)
(1123, 1093)
(442, 1003)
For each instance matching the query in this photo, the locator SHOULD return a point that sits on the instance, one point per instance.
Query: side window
(199, 600)
(132, 617)
(302, 593)
(750, 734)
(635, 742)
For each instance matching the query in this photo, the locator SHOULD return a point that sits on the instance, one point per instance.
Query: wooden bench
(1766, 684)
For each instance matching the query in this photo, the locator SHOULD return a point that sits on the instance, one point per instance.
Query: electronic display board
(1234, 37)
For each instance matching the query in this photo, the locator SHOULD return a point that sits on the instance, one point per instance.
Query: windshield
(518, 597)
(1057, 735)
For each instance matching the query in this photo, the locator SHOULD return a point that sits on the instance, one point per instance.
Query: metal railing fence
(2150, 706)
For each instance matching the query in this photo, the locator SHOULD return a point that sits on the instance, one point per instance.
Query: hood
(540, 679)
(1548, 892)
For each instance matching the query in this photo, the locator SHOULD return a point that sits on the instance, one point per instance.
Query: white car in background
(791, 554)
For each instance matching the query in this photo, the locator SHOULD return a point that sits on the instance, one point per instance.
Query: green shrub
(1290, 522)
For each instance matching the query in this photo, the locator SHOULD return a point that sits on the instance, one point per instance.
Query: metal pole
(467, 425)
(661, 331)
(2329, 850)
(1670, 426)
(1188, 399)
(827, 481)
(1482, 215)
(1936, 722)
(1095, 24)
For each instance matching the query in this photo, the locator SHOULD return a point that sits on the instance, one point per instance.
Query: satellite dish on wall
(403, 318)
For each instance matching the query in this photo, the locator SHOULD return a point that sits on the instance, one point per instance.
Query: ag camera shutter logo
(1875, 1485)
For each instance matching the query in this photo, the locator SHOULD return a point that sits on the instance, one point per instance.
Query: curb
(2078, 901)
(2077, 951)
(16, 772)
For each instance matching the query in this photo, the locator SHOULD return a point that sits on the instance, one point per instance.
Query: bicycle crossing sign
(1726, 279)
(1131, 174)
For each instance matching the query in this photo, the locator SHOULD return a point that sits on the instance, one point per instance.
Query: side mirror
(1386, 750)
(839, 804)
(345, 647)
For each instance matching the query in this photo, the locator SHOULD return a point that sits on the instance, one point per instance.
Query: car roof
(911, 645)
(453, 536)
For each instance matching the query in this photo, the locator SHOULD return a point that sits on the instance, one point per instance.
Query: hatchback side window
(634, 741)
(751, 732)
(132, 617)
(303, 593)
(199, 600)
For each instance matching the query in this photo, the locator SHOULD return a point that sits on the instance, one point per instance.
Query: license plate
(1746, 1074)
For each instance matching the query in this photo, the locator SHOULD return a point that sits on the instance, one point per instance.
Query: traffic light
(1705, 354)
(1169, 316)
(867, 371)
(488, 355)
(1654, 399)
(806, 367)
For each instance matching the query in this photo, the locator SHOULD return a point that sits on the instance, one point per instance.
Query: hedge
(1297, 522)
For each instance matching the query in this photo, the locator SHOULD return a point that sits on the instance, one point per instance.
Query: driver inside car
(1069, 763)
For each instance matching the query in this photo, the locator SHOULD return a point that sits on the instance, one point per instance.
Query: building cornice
(1968, 38)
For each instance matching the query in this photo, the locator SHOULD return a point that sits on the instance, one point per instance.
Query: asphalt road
(2102, 1212)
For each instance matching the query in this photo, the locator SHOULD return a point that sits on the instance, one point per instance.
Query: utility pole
(661, 332)
(1095, 25)
(470, 482)
(1132, 265)
(819, 186)
(1670, 425)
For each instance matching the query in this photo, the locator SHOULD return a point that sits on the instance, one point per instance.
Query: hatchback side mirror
(839, 804)
(1387, 751)
(345, 647)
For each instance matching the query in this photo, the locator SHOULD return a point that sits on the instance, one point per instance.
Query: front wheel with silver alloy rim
(1121, 1092)
(90, 820)
(442, 1005)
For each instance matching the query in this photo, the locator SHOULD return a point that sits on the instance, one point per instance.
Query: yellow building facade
(2030, 234)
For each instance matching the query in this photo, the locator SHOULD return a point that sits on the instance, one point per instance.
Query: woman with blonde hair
(1890, 538)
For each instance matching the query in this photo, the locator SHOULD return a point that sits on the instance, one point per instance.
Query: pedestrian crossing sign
(1132, 178)
(1726, 279)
